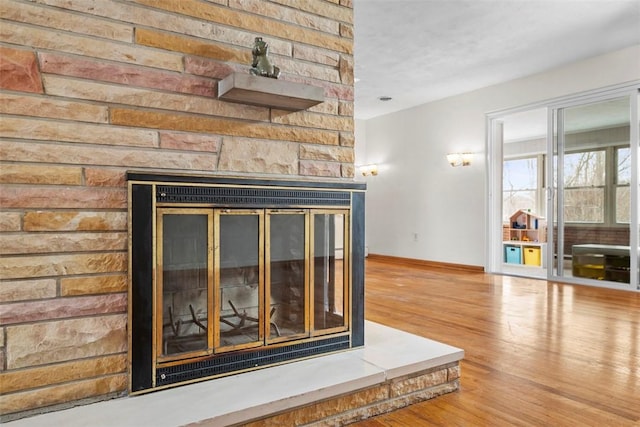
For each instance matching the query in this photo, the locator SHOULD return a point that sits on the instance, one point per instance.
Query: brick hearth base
(369, 402)
(393, 370)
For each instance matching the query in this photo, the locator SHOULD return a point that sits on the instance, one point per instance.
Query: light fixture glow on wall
(369, 170)
(459, 159)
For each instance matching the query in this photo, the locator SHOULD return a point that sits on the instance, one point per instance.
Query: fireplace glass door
(185, 282)
(239, 281)
(229, 275)
(287, 278)
(329, 274)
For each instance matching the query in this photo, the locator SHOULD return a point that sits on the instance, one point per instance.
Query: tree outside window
(584, 186)
(622, 185)
(519, 186)
(588, 179)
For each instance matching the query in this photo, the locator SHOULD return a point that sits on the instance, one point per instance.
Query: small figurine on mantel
(261, 66)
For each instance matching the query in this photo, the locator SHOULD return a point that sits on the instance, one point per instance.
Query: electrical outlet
(415, 237)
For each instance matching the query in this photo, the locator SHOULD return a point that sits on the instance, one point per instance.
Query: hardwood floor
(537, 353)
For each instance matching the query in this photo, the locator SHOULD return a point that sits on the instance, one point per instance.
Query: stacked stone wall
(92, 88)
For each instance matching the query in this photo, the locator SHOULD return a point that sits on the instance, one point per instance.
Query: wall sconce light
(369, 170)
(459, 159)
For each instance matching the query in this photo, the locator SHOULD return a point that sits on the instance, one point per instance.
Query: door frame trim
(493, 204)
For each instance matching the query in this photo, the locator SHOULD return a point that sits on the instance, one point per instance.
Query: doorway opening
(563, 179)
(524, 224)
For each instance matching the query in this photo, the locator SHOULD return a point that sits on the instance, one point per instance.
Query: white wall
(418, 192)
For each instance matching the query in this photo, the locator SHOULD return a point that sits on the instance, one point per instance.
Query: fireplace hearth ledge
(388, 354)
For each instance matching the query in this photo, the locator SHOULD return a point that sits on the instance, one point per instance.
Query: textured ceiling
(417, 51)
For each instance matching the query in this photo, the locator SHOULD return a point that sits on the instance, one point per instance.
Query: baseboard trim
(425, 263)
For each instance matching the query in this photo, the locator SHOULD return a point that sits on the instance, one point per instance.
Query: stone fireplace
(230, 275)
(93, 90)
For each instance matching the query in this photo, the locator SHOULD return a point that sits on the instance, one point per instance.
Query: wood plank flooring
(537, 353)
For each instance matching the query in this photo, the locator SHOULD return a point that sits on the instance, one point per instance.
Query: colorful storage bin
(531, 255)
(513, 254)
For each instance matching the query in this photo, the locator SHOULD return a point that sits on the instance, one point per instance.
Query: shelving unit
(524, 240)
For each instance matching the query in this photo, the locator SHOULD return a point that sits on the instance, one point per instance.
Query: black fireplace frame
(228, 192)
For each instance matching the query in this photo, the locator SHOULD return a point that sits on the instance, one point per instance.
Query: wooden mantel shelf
(267, 92)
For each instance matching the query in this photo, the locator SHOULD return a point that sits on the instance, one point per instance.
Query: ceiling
(418, 51)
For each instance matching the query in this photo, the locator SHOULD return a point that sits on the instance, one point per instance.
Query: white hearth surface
(388, 353)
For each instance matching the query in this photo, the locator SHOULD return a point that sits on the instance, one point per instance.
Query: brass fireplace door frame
(265, 324)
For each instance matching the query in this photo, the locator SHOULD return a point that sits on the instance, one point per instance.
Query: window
(584, 186)
(622, 185)
(591, 195)
(520, 186)
(596, 186)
